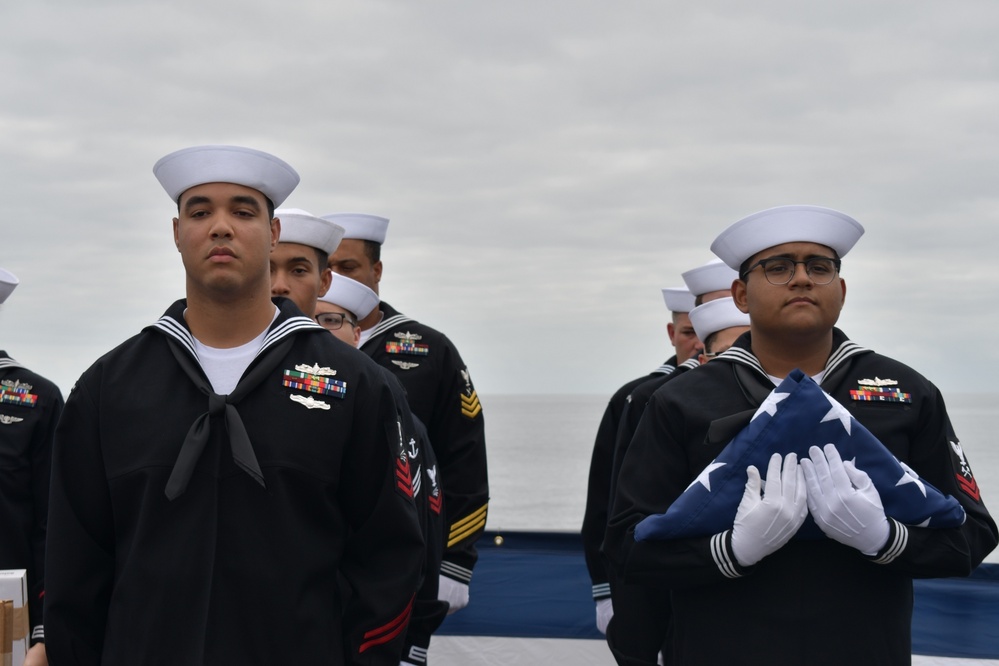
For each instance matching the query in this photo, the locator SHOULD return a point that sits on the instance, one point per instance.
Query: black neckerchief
(277, 344)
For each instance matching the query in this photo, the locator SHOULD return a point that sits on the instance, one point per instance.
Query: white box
(14, 586)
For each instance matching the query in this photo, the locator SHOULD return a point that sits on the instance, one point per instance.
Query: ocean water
(539, 449)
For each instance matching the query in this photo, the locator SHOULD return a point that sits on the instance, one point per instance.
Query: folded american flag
(796, 415)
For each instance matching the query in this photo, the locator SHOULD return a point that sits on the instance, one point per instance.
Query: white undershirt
(816, 378)
(366, 333)
(224, 367)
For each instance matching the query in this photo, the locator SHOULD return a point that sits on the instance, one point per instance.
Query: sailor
(338, 311)
(440, 393)
(753, 594)
(641, 619)
(679, 301)
(224, 485)
(29, 410)
(299, 268)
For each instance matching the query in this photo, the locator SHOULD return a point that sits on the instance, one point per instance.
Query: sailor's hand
(36, 656)
(763, 524)
(454, 592)
(844, 502)
(605, 611)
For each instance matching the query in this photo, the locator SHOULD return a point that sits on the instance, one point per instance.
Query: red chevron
(387, 631)
(970, 488)
(404, 477)
(435, 503)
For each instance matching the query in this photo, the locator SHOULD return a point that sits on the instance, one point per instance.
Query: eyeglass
(780, 270)
(333, 321)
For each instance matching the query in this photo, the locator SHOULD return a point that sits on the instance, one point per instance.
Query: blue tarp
(535, 585)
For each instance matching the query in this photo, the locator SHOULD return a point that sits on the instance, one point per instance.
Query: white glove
(454, 592)
(605, 611)
(763, 525)
(843, 501)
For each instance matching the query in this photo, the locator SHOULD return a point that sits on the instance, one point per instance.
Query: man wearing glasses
(753, 594)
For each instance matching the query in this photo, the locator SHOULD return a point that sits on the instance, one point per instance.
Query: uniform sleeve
(383, 555)
(598, 490)
(41, 472)
(457, 431)
(654, 472)
(79, 560)
(936, 454)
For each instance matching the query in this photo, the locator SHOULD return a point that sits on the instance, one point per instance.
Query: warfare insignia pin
(314, 383)
(15, 384)
(308, 401)
(7, 420)
(408, 337)
(316, 370)
(405, 365)
(877, 381)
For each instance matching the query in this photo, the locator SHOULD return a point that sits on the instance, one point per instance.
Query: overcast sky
(547, 166)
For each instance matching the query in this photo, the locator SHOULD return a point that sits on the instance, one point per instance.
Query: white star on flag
(910, 476)
(770, 404)
(837, 411)
(704, 478)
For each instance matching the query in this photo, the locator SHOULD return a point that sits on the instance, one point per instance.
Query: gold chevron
(470, 405)
(468, 525)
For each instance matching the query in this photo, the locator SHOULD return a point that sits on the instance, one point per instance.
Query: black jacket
(811, 602)
(317, 565)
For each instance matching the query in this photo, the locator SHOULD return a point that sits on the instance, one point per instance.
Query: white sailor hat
(786, 224)
(361, 225)
(678, 299)
(181, 170)
(712, 276)
(715, 316)
(299, 226)
(351, 295)
(7, 283)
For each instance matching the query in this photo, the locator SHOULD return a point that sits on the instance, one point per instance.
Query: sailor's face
(351, 334)
(225, 236)
(296, 274)
(351, 260)
(798, 307)
(683, 337)
(723, 339)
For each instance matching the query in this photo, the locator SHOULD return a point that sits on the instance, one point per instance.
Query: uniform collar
(390, 319)
(7, 362)
(740, 353)
(289, 321)
(668, 366)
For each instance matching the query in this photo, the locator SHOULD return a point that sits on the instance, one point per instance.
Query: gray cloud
(547, 166)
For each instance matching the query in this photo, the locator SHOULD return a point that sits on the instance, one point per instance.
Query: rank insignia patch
(403, 475)
(314, 383)
(965, 479)
(878, 390)
(435, 496)
(16, 393)
(470, 405)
